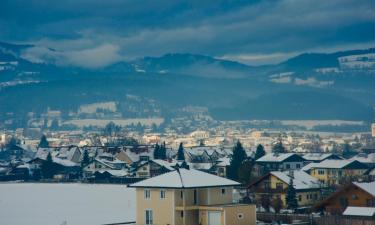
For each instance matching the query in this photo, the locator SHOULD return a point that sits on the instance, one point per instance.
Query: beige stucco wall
(248, 212)
(163, 209)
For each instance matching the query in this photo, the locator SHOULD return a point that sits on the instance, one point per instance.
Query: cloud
(97, 57)
(252, 31)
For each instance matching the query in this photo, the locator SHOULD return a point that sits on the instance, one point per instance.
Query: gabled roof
(184, 178)
(301, 180)
(368, 187)
(337, 164)
(318, 156)
(359, 211)
(276, 157)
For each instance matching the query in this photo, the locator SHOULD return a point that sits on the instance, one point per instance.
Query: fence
(314, 220)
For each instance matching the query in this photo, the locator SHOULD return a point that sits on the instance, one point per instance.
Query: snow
(301, 179)
(273, 157)
(77, 204)
(333, 164)
(185, 179)
(359, 211)
(316, 156)
(368, 187)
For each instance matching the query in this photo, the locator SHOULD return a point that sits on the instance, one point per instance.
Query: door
(214, 218)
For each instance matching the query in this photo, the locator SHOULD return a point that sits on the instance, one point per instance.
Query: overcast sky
(100, 32)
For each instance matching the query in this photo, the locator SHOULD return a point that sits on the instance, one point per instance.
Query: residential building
(275, 185)
(281, 161)
(336, 172)
(319, 157)
(190, 197)
(353, 194)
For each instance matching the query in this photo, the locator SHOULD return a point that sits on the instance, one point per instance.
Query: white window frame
(149, 217)
(147, 193)
(162, 194)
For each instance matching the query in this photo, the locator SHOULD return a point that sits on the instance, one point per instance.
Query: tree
(347, 151)
(86, 158)
(238, 156)
(43, 142)
(157, 152)
(265, 202)
(291, 196)
(163, 151)
(49, 168)
(277, 204)
(278, 147)
(244, 172)
(180, 153)
(259, 152)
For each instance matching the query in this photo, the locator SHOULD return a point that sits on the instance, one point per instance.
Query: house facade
(355, 194)
(190, 197)
(275, 185)
(336, 172)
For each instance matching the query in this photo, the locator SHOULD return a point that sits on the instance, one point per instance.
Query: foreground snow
(77, 204)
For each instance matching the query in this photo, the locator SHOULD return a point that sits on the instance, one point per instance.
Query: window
(315, 196)
(370, 202)
(147, 194)
(181, 194)
(344, 202)
(298, 166)
(354, 196)
(279, 186)
(182, 214)
(162, 193)
(223, 191)
(148, 217)
(299, 198)
(287, 166)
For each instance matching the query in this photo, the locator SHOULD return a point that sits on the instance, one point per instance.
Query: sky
(95, 33)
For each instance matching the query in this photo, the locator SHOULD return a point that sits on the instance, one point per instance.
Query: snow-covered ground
(77, 204)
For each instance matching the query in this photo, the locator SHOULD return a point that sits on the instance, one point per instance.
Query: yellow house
(275, 185)
(190, 197)
(338, 172)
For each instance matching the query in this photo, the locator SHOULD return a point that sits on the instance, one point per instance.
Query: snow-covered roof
(116, 173)
(185, 178)
(308, 167)
(274, 157)
(365, 158)
(163, 163)
(368, 187)
(332, 164)
(316, 156)
(359, 211)
(301, 180)
(225, 161)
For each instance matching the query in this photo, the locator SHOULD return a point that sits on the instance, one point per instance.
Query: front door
(214, 218)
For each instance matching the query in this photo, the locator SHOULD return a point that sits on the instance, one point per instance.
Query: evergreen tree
(157, 152)
(278, 147)
(238, 156)
(347, 151)
(86, 158)
(180, 153)
(49, 168)
(163, 152)
(244, 172)
(43, 142)
(259, 153)
(291, 196)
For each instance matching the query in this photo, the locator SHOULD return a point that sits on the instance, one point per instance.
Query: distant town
(277, 171)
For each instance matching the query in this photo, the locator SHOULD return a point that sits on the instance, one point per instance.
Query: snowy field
(77, 204)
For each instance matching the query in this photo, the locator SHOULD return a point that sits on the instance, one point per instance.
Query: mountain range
(337, 85)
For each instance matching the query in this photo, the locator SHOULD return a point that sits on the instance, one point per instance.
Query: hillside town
(266, 171)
